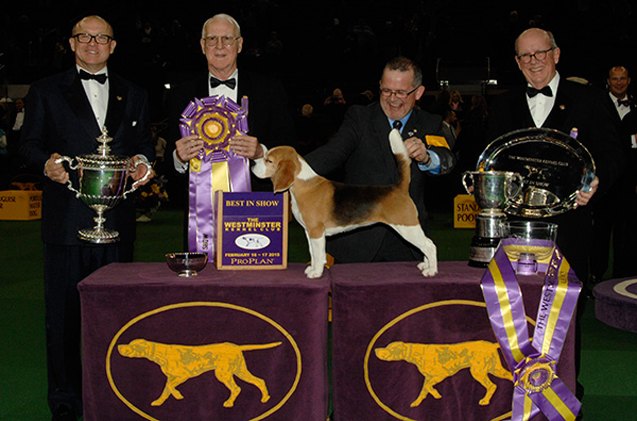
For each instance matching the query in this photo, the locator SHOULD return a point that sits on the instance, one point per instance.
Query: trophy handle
(141, 180)
(468, 175)
(69, 184)
(514, 179)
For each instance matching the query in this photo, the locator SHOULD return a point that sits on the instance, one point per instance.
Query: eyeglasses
(226, 41)
(538, 55)
(399, 94)
(86, 38)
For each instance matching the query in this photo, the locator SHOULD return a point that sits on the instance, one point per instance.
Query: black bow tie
(101, 78)
(230, 83)
(624, 102)
(546, 91)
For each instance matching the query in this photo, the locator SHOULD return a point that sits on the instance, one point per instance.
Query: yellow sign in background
(465, 210)
(20, 205)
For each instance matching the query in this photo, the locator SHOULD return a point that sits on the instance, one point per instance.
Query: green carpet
(609, 356)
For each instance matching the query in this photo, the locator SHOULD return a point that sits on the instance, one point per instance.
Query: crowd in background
(328, 54)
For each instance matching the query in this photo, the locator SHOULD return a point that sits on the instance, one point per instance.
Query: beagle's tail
(403, 161)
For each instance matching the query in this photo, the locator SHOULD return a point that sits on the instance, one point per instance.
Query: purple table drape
(393, 329)
(145, 328)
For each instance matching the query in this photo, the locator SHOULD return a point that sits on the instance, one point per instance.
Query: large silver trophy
(102, 183)
(492, 190)
(529, 173)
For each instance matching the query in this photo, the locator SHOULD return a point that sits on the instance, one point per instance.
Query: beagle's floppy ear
(283, 177)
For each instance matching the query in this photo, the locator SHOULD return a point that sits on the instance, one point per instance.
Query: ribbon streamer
(537, 387)
(215, 119)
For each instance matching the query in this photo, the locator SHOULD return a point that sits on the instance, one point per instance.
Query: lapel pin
(562, 107)
(119, 98)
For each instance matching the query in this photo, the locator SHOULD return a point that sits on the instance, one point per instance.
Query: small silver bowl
(186, 264)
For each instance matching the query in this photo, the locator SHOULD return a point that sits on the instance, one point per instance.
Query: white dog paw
(427, 270)
(313, 273)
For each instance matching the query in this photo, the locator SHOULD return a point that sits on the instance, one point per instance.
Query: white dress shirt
(541, 105)
(97, 94)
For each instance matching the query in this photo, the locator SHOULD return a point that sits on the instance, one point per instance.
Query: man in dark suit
(65, 113)
(616, 213)
(552, 102)
(360, 148)
(269, 119)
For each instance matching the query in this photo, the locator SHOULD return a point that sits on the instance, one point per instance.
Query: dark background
(323, 45)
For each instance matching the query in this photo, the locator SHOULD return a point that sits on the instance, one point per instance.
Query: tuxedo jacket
(628, 127)
(361, 150)
(584, 108)
(269, 117)
(576, 106)
(59, 118)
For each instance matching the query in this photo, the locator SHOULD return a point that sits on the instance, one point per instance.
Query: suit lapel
(117, 97)
(244, 86)
(521, 111)
(381, 132)
(561, 108)
(78, 102)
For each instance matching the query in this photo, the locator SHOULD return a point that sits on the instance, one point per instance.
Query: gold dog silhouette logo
(434, 363)
(171, 365)
(182, 362)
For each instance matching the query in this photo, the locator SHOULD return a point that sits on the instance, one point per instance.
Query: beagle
(314, 206)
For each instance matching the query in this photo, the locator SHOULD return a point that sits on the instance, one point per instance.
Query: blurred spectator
(473, 139)
(451, 126)
(364, 98)
(614, 217)
(16, 118)
(455, 101)
(334, 107)
(159, 142)
(312, 129)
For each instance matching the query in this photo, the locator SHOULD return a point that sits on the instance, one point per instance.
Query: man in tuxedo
(65, 114)
(269, 119)
(550, 101)
(616, 213)
(360, 149)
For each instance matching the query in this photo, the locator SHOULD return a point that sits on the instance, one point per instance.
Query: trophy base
(98, 236)
(482, 251)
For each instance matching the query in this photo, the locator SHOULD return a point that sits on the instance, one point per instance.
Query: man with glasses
(269, 119)
(65, 114)
(616, 213)
(360, 149)
(550, 101)
(553, 102)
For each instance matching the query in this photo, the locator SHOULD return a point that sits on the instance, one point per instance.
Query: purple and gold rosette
(215, 119)
(537, 386)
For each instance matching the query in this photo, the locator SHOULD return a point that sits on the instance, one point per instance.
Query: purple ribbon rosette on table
(215, 119)
(537, 386)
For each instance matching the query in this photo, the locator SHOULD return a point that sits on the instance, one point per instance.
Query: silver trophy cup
(102, 183)
(492, 190)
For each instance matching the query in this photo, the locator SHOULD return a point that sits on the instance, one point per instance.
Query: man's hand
(139, 172)
(246, 146)
(188, 147)
(417, 150)
(582, 198)
(54, 170)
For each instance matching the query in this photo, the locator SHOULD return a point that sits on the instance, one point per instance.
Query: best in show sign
(252, 231)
